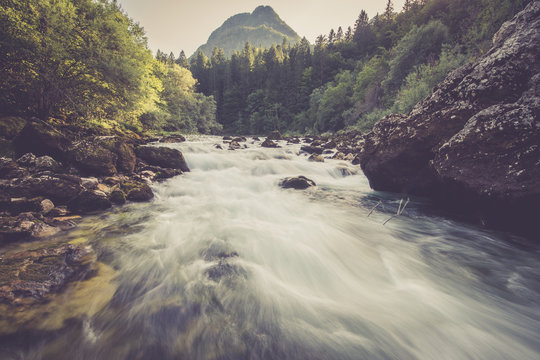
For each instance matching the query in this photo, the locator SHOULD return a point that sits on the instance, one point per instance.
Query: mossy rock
(118, 197)
(11, 126)
(137, 191)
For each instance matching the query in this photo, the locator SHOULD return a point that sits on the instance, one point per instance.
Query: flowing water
(224, 264)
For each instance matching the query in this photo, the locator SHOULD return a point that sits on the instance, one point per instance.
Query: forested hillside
(86, 62)
(352, 76)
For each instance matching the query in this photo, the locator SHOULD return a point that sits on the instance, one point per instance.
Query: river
(224, 264)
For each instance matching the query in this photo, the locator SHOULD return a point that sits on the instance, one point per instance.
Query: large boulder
(40, 138)
(89, 201)
(58, 188)
(125, 154)
(137, 191)
(275, 135)
(163, 157)
(92, 158)
(41, 163)
(268, 143)
(475, 141)
(298, 183)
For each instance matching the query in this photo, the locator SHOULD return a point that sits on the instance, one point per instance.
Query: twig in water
(373, 208)
(400, 210)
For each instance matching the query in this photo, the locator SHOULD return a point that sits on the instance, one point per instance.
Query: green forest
(87, 62)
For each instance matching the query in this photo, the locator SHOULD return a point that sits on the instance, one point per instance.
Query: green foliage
(77, 58)
(421, 81)
(421, 44)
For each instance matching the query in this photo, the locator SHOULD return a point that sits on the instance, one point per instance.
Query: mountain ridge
(262, 27)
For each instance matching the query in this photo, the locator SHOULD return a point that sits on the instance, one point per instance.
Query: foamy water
(224, 264)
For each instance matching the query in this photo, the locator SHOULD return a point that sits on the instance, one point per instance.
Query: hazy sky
(174, 25)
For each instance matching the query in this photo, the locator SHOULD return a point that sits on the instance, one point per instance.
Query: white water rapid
(224, 264)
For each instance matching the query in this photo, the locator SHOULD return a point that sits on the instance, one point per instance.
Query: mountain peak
(263, 27)
(262, 9)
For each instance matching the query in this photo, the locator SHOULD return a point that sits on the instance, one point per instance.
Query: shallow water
(224, 264)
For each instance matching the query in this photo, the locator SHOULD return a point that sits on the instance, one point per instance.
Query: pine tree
(407, 6)
(389, 10)
(348, 34)
(339, 35)
(182, 60)
(331, 36)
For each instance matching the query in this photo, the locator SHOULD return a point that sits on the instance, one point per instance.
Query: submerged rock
(474, 144)
(298, 183)
(28, 277)
(234, 145)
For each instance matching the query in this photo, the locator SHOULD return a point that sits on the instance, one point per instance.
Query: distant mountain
(263, 27)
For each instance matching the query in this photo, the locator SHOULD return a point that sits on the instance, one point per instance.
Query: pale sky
(174, 25)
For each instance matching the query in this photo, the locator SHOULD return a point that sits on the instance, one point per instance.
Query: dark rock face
(40, 138)
(476, 140)
(28, 277)
(11, 126)
(163, 157)
(269, 144)
(298, 183)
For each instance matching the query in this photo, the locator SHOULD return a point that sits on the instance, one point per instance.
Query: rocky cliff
(474, 144)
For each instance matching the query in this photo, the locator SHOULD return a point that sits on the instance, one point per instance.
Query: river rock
(92, 158)
(9, 169)
(275, 135)
(124, 151)
(37, 204)
(316, 158)
(172, 139)
(137, 191)
(163, 157)
(234, 145)
(40, 138)
(118, 197)
(475, 141)
(89, 201)
(298, 183)
(28, 277)
(41, 163)
(24, 226)
(59, 188)
(312, 149)
(268, 143)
